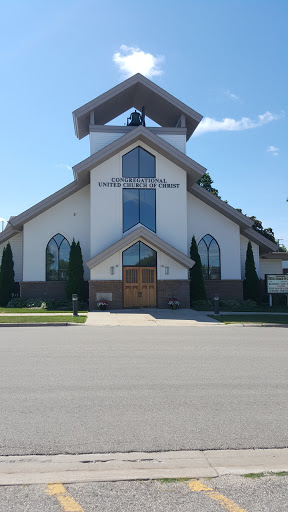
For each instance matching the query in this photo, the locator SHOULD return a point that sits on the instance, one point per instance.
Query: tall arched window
(209, 253)
(57, 258)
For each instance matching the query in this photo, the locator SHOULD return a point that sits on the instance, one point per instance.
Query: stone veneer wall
(114, 287)
(178, 289)
(224, 289)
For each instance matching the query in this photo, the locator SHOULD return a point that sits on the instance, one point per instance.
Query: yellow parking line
(67, 502)
(197, 486)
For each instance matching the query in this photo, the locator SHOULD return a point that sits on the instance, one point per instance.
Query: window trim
(208, 258)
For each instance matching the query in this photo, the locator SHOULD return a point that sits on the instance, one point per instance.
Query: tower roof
(136, 91)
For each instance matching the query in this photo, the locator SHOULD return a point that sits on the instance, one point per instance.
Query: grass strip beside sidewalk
(36, 310)
(42, 319)
(251, 319)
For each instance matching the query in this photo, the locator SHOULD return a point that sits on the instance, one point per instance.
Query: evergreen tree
(75, 276)
(251, 282)
(197, 290)
(6, 276)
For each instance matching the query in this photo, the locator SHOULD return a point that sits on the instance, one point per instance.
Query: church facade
(134, 206)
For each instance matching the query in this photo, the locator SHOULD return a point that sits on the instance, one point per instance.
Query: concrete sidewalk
(38, 469)
(149, 318)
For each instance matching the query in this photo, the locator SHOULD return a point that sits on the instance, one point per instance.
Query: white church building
(134, 206)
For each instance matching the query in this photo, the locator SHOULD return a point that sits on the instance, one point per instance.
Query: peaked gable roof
(142, 234)
(141, 134)
(135, 92)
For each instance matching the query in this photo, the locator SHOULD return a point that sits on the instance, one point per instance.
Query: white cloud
(64, 166)
(272, 149)
(231, 95)
(133, 60)
(2, 220)
(208, 124)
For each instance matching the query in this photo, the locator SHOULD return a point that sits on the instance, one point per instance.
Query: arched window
(57, 258)
(209, 253)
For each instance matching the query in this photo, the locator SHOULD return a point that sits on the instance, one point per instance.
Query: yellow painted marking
(230, 505)
(66, 501)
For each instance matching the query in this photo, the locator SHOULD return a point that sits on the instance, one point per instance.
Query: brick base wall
(49, 289)
(225, 289)
(114, 287)
(173, 288)
(39, 289)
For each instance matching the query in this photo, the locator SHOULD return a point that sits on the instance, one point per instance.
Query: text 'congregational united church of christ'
(138, 183)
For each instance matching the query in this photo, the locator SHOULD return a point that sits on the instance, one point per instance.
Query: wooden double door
(139, 287)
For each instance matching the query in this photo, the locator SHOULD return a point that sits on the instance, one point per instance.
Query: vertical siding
(99, 140)
(17, 251)
(178, 141)
(243, 248)
(270, 267)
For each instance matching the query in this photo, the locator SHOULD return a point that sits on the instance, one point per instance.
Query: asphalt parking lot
(232, 493)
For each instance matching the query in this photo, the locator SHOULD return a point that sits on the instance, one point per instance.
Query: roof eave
(129, 97)
(144, 135)
(141, 234)
(283, 256)
(265, 245)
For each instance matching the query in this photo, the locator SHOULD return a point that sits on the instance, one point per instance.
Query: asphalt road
(83, 389)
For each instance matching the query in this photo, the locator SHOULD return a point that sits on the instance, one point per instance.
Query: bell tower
(176, 120)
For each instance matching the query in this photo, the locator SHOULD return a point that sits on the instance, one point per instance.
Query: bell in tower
(136, 119)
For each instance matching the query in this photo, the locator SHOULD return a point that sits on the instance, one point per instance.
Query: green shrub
(45, 303)
(248, 304)
(17, 303)
(229, 305)
(202, 305)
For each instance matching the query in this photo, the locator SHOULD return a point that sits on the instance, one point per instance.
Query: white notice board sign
(277, 283)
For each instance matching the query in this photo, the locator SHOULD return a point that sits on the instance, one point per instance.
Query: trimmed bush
(251, 281)
(75, 281)
(6, 275)
(45, 303)
(229, 305)
(202, 305)
(197, 289)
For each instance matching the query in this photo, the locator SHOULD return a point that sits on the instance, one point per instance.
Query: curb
(255, 325)
(105, 467)
(47, 324)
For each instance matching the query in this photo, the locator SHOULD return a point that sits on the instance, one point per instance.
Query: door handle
(139, 294)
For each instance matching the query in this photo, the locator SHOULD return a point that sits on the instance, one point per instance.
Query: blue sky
(225, 59)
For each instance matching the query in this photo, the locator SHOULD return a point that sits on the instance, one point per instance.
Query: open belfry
(134, 206)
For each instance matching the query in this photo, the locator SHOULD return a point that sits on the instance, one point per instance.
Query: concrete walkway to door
(149, 318)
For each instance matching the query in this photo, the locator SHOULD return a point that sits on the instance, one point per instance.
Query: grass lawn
(257, 318)
(42, 319)
(35, 310)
